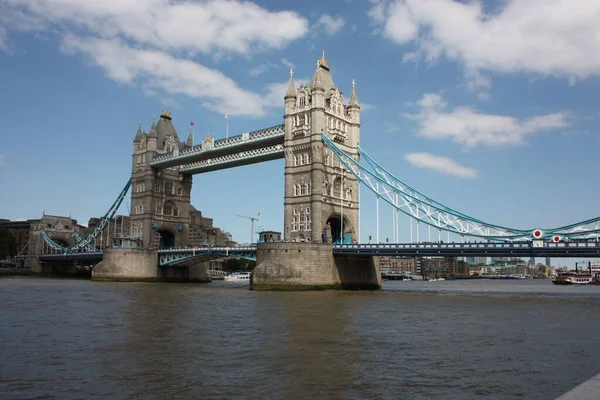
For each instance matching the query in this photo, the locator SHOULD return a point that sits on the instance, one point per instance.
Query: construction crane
(252, 219)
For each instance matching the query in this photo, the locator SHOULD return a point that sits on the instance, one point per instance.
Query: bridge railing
(466, 245)
(247, 137)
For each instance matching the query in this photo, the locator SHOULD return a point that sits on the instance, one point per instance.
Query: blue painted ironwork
(246, 141)
(413, 203)
(514, 249)
(172, 256)
(78, 239)
(83, 256)
(98, 229)
(234, 159)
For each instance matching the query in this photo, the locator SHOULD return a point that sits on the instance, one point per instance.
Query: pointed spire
(291, 90)
(353, 98)
(190, 139)
(138, 135)
(323, 62)
(153, 127)
(317, 82)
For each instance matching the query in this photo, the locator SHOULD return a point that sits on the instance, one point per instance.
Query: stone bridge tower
(160, 198)
(321, 196)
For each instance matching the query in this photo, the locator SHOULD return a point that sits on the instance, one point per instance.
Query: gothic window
(179, 190)
(305, 119)
(295, 211)
(306, 158)
(337, 187)
(169, 187)
(168, 209)
(159, 207)
(295, 160)
(139, 209)
(157, 186)
(302, 101)
(295, 190)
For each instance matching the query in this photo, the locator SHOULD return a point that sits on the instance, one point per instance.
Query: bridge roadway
(247, 148)
(517, 249)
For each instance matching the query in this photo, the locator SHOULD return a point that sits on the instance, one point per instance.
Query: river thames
(77, 339)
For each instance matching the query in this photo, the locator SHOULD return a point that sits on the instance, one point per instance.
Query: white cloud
(207, 26)
(287, 63)
(160, 72)
(332, 25)
(444, 165)
(558, 38)
(468, 127)
(261, 69)
(2, 160)
(3, 39)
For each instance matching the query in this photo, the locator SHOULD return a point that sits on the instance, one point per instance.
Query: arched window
(295, 190)
(306, 158)
(337, 187)
(169, 187)
(168, 208)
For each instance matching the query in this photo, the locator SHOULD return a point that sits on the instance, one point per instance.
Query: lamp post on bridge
(343, 195)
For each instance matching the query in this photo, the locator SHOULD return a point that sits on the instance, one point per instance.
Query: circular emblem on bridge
(556, 238)
(538, 234)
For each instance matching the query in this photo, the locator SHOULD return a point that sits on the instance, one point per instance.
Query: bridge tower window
(179, 190)
(169, 188)
(337, 187)
(157, 186)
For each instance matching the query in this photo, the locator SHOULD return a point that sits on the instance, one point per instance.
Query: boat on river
(573, 278)
(238, 276)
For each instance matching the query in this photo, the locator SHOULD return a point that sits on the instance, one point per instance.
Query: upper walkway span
(247, 148)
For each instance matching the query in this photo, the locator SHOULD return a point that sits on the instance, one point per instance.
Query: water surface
(77, 339)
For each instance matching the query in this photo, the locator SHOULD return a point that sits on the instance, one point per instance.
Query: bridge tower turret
(160, 198)
(321, 196)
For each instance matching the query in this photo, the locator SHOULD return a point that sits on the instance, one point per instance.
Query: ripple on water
(72, 339)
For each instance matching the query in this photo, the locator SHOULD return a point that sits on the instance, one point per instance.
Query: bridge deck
(245, 143)
(526, 249)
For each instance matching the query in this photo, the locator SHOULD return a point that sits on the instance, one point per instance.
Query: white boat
(573, 278)
(238, 276)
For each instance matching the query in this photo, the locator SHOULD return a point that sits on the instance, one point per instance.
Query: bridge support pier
(119, 264)
(311, 266)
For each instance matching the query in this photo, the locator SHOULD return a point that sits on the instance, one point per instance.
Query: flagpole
(227, 126)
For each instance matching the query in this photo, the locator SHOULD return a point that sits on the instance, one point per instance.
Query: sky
(488, 107)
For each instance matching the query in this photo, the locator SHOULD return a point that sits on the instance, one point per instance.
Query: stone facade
(160, 198)
(318, 188)
(311, 266)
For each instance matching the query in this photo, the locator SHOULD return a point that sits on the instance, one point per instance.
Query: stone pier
(119, 264)
(311, 266)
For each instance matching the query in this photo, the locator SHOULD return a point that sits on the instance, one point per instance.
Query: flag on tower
(191, 123)
(226, 115)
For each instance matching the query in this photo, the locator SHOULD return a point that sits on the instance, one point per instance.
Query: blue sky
(491, 109)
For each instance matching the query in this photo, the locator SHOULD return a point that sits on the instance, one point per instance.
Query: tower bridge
(325, 167)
